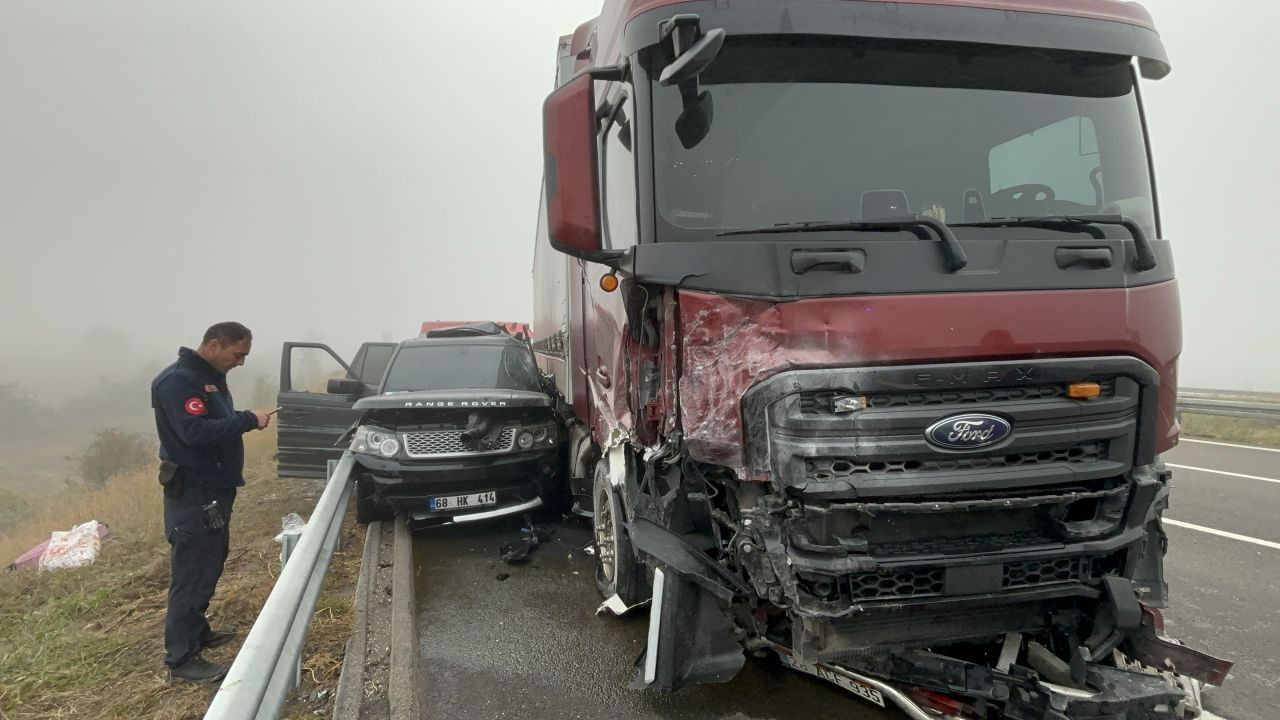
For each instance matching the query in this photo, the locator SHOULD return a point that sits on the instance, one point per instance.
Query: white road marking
(1223, 533)
(1206, 715)
(1223, 472)
(1230, 445)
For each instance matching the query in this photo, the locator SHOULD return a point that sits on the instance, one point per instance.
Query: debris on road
(618, 606)
(516, 552)
(291, 524)
(76, 547)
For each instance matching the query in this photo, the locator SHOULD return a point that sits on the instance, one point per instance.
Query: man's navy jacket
(200, 429)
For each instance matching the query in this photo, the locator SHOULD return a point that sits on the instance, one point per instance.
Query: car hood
(455, 399)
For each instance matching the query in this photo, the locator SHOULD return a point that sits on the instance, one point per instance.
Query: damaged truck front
(869, 333)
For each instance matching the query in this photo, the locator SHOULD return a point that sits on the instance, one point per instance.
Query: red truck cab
(869, 331)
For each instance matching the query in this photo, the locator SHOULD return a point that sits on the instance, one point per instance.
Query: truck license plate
(866, 692)
(461, 502)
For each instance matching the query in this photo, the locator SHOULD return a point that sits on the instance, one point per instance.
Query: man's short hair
(226, 333)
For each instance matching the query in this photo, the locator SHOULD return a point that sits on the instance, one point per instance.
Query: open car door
(311, 420)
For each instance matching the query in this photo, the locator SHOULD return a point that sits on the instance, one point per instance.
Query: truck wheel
(366, 509)
(617, 570)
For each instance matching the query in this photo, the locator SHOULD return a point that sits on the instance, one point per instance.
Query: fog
(341, 172)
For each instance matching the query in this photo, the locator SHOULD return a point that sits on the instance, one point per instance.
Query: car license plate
(462, 502)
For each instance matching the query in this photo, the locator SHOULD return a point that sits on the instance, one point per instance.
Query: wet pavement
(532, 646)
(1223, 592)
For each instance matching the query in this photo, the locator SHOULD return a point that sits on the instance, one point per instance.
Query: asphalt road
(529, 645)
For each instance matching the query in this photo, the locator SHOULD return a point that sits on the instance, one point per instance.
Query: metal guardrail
(1252, 406)
(267, 668)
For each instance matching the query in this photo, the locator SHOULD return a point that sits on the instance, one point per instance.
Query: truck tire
(618, 572)
(366, 509)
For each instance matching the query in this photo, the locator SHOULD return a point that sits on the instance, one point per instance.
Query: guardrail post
(268, 666)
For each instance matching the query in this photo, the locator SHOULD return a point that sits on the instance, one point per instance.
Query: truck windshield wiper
(952, 253)
(1145, 257)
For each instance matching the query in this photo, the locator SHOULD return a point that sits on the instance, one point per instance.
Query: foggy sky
(343, 171)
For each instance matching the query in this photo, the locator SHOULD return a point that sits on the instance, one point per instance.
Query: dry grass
(1228, 429)
(88, 643)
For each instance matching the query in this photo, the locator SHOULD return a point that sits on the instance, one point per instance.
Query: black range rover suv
(459, 428)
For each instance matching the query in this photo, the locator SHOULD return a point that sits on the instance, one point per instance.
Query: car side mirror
(345, 386)
(571, 167)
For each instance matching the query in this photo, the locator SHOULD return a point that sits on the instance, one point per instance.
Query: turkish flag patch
(194, 406)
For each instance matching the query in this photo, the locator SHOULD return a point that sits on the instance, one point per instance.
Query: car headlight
(372, 440)
(537, 436)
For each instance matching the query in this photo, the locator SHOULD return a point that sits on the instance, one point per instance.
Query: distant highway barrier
(1225, 403)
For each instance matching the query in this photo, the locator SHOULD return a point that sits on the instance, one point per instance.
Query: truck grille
(925, 522)
(1032, 573)
(931, 582)
(922, 582)
(823, 401)
(442, 443)
(832, 468)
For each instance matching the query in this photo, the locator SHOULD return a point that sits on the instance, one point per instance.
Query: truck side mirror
(571, 170)
(345, 386)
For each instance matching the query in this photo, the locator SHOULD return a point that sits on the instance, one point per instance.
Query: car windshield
(456, 366)
(811, 128)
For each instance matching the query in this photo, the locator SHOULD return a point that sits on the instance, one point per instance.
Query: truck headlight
(372, 440)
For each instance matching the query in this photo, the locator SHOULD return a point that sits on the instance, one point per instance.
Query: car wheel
(618, 572)
(366, 509)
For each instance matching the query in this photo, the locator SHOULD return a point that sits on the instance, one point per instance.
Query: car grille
(442, 443)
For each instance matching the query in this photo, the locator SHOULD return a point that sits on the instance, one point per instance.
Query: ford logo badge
(968, 432)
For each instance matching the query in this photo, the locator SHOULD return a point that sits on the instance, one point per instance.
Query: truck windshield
(810, 129)
(454, 366)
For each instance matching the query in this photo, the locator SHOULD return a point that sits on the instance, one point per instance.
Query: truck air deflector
(913, 21)
(889, 262)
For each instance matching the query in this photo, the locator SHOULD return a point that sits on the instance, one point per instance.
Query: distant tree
(117, 402)
(110, 453)
(14, 507)
(21, 416)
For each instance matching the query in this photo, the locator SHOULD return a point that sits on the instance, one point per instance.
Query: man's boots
(216, 638)
(197, 670)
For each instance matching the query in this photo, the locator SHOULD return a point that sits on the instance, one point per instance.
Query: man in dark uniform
(202, 456)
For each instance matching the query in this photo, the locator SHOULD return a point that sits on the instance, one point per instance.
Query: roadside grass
(1229, 429)
(89, 642)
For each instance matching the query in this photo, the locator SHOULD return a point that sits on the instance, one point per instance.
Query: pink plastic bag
(32, 558)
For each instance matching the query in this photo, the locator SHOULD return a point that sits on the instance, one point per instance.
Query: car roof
(492, 340)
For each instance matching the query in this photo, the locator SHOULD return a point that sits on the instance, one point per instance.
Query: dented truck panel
(730, 345)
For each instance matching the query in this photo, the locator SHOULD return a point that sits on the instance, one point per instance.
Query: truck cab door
(604, 313)
(311, 420)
